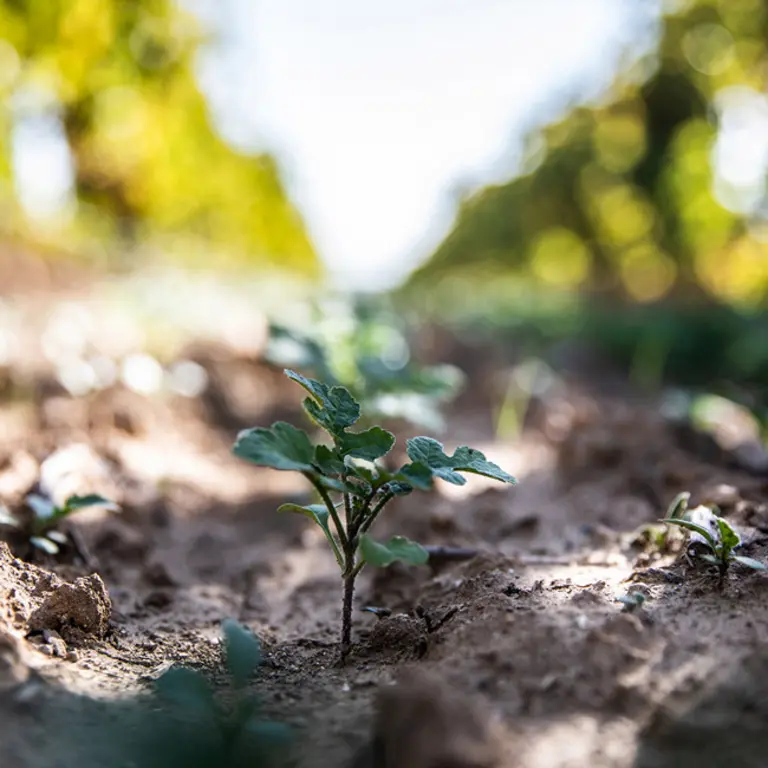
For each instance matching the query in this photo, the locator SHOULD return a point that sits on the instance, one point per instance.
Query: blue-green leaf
(319, 514)
(430, 453)
(332, 408)
(45, 544)
(188, 690)
(397, 548)
(750, 562)
(243, 651)
(282, 446)
(370, 445)
(42, 507)
(6, 518)
(328, 461)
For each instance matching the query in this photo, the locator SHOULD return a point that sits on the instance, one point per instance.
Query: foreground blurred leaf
(397, 548)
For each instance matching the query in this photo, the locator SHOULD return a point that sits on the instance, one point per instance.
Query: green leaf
(728, 536)
(91, 500)
(319, 514)
(369, 445)
(750, 562)
(287, 347)
(700, 529)
(708, 558)
(367, 472)
(42, 507)
(243, 651)
(57, 537)
(678, 506)
(188, 690)
(419, 476)
(6, 518)
(333, 408)
(45, 544)
(282, 446)
(429, 452)
(328, 461)
(397, 548)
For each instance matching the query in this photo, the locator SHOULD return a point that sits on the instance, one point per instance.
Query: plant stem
(346, 613)
(331, 509)
(368, 521)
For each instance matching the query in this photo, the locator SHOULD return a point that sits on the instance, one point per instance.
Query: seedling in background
(41, 529)
(196, 729)
(348, 470)
(366, 353)
(714, 533)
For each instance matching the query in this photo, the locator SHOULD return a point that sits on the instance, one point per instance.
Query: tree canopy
(118, 79)
(626, 198)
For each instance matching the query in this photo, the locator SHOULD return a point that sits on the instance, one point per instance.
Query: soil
(521, 655)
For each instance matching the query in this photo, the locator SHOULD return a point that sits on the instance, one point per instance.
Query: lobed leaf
(328, 461)
(243, 651)
(397, 548)
(370, 445)
(332, 408)
(282, 446)
(429, 452)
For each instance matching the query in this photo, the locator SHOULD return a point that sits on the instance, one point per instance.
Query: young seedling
(370, 357)
(713, 533)
(195, 725)
(41, 529)
(350, 471)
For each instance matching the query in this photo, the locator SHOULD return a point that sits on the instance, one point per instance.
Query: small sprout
(350, 470)
(369, 356)
(713, 534)
(379, 613)
(40, 530)
(233, 728)
(632, 601)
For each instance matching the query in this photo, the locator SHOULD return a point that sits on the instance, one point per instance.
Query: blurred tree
(656, 192)
(116, 79)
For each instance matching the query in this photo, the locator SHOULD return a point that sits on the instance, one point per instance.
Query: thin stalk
(347, 503)
(346, 614)
(331, 509)
(369, 519)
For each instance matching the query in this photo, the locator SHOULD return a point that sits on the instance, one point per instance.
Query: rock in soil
(33, 599)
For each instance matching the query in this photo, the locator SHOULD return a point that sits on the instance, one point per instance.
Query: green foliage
(192, 728)
(715, 533)
(40, 528)
(351, 468)
(620, 198)
(397, 548)
(367, 353)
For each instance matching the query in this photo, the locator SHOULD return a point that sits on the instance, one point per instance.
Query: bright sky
(377, 110)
